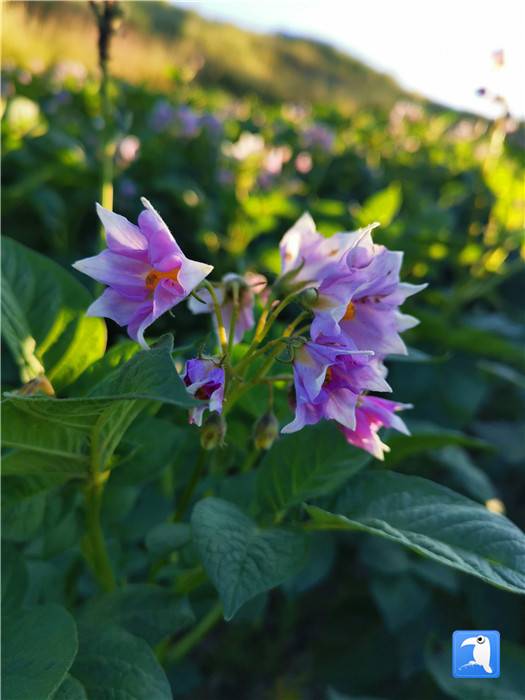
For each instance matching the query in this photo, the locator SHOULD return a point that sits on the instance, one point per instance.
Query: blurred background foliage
(233, 135)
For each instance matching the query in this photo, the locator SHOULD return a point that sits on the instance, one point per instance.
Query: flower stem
(191, 486)
(194, 636)
(98, 553)
(235, 316)
(223, 340)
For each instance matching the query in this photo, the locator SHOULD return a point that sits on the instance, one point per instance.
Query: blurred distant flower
(319, 137)
(204, 379)
(128, 149)
(248, 145)
(212, 125)
(145, 270)
(187, 122)
(499, 58)
(295, 113)
(225, 177)
(405, 112)
(303, 162)
(467, 130)
(24, 77)
(275, 158)
(58, 100)
(69, 71)
(162, 115)
(127, 188)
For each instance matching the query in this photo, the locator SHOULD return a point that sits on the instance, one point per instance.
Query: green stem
(223, 340)
(191, 486)
(235, 316)
(192, 638)
(98, 553)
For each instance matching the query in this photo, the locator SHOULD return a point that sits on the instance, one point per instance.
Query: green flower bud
(308, 297)
(265, 431)
(213, 432)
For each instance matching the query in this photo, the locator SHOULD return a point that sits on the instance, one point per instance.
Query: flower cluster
(350, 286)
(356, 324)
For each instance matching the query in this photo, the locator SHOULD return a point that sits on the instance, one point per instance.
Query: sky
(441, 50)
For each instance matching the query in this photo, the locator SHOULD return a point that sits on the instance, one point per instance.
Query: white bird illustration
(481, 652)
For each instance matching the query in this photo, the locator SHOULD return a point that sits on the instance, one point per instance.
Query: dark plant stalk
(107, 14)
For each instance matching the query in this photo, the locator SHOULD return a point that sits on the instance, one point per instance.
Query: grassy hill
(158, 40)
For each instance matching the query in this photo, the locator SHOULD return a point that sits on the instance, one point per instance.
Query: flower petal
(124, 274)
(122, 236)
(113, 305)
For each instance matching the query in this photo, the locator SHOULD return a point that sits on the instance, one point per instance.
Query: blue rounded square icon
(475, 654)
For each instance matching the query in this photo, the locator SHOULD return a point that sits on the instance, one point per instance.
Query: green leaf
(39, 646)
(23, 507)
(144, 610)
(150, 375)
(508, 687)
(114, 358)
(312, 463)
(44, 324)
(111, 663)
(154, 444)
(24, 429)
(14, 577)
(70, 689)
(433, 521)
(241, 558)
(381, 206)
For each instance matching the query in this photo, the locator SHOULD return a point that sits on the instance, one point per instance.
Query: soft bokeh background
(232, 135)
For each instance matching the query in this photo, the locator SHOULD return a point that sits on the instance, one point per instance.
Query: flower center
(155, 276)
(328, 377)
(350, 312)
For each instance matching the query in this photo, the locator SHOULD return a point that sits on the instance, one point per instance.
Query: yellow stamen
(155, 276)
(349, 313)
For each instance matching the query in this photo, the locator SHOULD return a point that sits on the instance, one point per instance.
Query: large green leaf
(433, 521)
(241, 558)
(14, 577)
(312, 463)
(144, 610)
(39, 646)
(150, 375)
(111, 663)
(70, 689)
(44, 324)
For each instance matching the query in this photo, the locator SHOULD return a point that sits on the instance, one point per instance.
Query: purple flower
(318, 136)
(145, 270)
(328, 380)
(248, 286)
(188, 122)
(373, 413)
(162, 115)
(358, 285)
(359, 303)
(204, 379)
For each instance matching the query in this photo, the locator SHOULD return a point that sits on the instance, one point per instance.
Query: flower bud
(265, 431)
(39, 385)
(213, 431)
(308, 297)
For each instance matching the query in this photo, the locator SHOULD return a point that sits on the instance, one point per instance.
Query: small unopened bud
(39, 385)
(265, 431)
(309, 297)
(213, 431)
